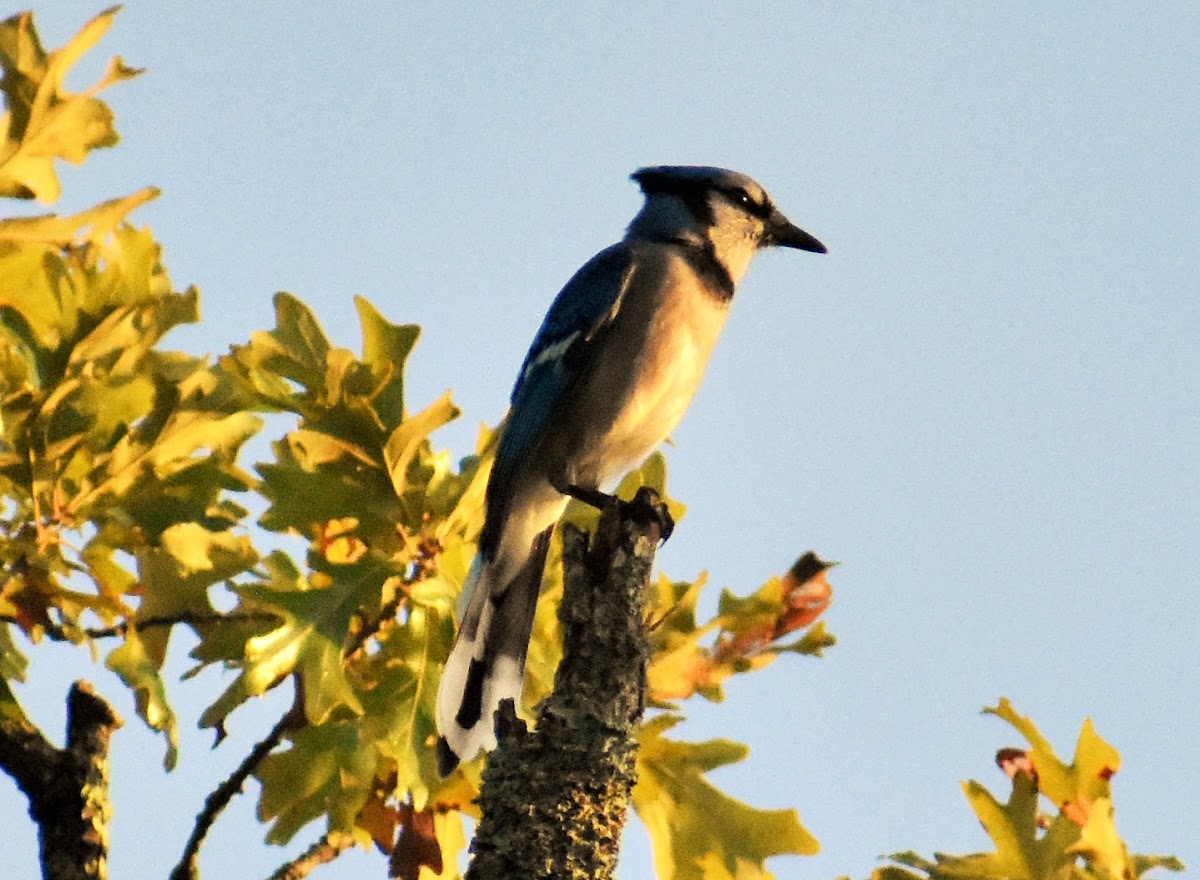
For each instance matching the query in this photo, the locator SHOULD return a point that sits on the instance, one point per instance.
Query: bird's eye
(746, 202)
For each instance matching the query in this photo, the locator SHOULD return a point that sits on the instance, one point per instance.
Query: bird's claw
(647, 507)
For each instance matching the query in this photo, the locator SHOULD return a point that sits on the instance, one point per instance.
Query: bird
(609, 375)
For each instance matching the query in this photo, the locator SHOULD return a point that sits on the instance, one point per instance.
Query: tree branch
(25, 755)
(554, 800)
(188, 867)
(67, 788)
(328, 848)
(60, 634)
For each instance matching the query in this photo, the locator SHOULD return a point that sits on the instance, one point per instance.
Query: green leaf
(1013, 828)
(401, 701)
(313, 466)
(698, 832)
(813, 643)
(12, 716)
(93, 225)
(43, 121)
(316, 622)
(176, 577)
(120, 343)
(386, 347)
(891, 872)
(13, 663)
(403, 445)
(1144, 864)
(1079, 843)
(165, 457)
(679, 662)
(58, 292)
(328, 771)
(295, 351)
(456, 500)
(140, 673)
(1101, 844)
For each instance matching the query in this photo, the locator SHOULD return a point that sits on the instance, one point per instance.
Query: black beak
(781, 232)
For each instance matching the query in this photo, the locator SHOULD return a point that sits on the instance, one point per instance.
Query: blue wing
(576, 319)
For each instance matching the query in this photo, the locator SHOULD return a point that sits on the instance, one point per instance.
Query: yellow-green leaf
(386, 347)
(176, 577)
(140, 673)
(400, 705)
(94, 225)
(1100, 842)
(12, 662)
(404, 443)
(44, 122)
(327, 771)
(696, 830)
(311, 638)
(1073, 788)
(12, 716)
(1013, 828)
(1080, 842)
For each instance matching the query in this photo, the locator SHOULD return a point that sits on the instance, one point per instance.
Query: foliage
(1077, 840)
(115, 453)
(119, 469)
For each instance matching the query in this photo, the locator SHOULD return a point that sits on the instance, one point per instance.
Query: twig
(188, 868)
(426, 566)
(328, 848)
(188, 617)
(59, 633)
(386, 616)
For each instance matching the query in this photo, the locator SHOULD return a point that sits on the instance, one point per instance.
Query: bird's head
(712, 207)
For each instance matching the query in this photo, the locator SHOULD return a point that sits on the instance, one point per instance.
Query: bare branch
(60, 634)
(188, 617)
(188, 867)
(328, 848)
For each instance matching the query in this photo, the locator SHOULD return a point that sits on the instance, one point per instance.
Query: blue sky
(984, 402)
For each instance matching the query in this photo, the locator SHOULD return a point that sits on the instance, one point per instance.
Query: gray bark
(554, 799)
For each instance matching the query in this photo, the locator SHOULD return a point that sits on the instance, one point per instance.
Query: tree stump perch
(554, 799)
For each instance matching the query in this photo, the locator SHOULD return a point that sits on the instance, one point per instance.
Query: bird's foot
(645, 508)
(648, 507)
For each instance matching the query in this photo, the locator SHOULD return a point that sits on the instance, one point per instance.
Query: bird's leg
(646, 506)
(591, 497)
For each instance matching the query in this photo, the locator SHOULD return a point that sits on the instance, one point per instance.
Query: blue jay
(609, 375)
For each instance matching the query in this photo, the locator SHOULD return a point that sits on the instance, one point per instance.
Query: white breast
(677, 323)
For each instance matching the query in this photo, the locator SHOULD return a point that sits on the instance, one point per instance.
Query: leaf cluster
(117, 457)
(1057, 823)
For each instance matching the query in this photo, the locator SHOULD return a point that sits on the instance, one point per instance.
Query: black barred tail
(487, 663)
